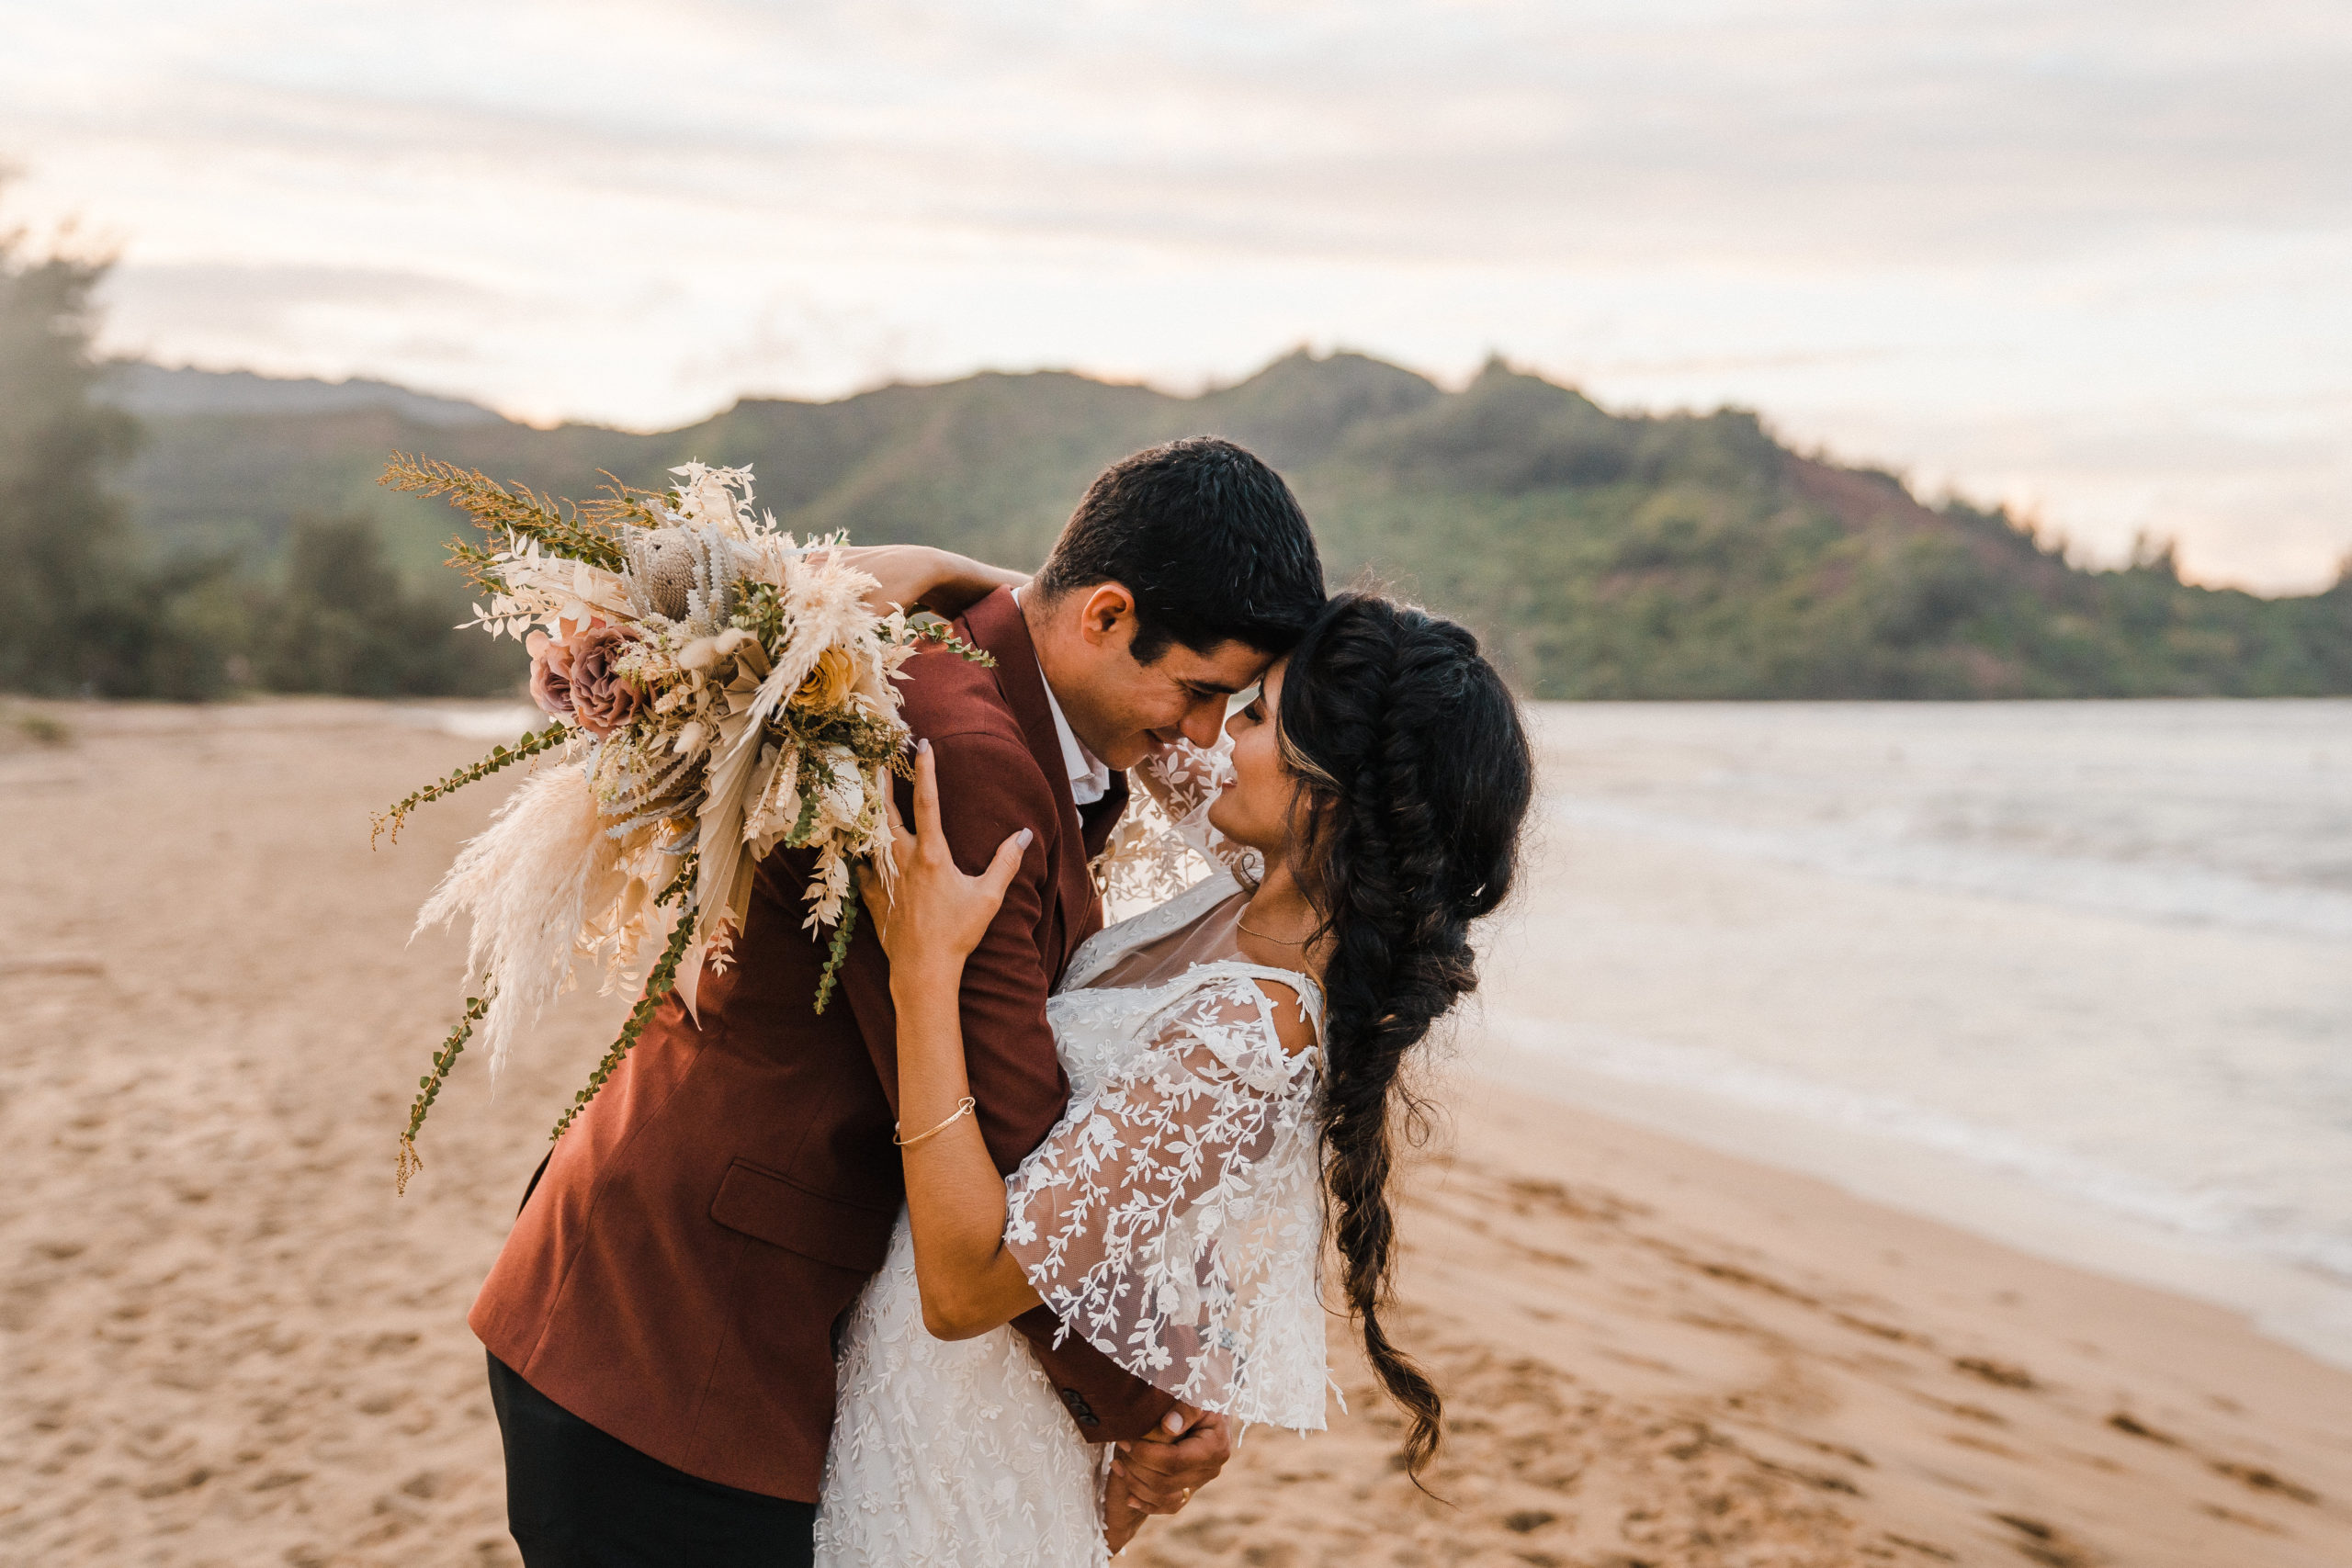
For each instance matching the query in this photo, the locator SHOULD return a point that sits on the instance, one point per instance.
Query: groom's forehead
(1230, 666)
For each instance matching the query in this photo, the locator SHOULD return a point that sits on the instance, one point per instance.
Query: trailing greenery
(429, 1089)
(386, 823)
(658, 987)
(836, 953)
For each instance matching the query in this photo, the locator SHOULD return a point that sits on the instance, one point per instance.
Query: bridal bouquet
(717, 691)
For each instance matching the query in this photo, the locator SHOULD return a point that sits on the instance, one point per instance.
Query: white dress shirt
(1090, 776)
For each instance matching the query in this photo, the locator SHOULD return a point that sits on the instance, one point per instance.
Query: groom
(661, 1321)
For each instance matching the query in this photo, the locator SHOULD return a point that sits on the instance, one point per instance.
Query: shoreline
(1655, 1352)
(2069, 976)
(2297, 1306)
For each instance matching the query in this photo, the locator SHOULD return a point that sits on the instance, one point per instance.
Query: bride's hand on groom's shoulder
(932, 916)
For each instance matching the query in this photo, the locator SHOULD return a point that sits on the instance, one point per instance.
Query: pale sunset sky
(2094, 260)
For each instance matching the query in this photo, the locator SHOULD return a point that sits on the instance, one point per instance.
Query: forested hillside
(1603, 555)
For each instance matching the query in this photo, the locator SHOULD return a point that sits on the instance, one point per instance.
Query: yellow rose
(827, 685)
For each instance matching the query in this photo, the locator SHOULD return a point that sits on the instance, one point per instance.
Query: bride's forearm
(964, 582)
(954, 1197)
(917, 577)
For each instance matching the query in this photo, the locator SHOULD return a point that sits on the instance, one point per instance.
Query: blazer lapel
(996, 624)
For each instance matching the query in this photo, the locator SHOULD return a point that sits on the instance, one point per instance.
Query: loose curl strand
(1415, 777)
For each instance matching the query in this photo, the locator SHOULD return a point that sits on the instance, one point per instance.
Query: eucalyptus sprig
(429, 1088)
(938, 632)
(388, 822)
(838, 954)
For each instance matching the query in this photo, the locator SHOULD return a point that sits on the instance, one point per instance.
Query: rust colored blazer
(675, 1277)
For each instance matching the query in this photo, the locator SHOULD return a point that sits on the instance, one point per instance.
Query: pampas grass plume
(528, 883)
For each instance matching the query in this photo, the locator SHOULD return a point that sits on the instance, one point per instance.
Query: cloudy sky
(2094, 260)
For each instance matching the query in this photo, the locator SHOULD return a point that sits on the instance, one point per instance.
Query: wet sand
(223, 1339)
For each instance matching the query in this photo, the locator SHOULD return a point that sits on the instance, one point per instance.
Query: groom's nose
(1204, 720)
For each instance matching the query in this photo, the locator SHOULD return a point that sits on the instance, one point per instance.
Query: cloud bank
(2090, 261)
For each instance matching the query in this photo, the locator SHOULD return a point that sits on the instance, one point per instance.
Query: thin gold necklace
(1262, 936)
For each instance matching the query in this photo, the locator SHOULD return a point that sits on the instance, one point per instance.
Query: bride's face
(1256, 809)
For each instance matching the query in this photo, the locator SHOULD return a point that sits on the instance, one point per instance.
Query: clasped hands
(1158, 1474)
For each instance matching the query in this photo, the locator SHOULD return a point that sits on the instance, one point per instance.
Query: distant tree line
(1598, 553)
(85, 612)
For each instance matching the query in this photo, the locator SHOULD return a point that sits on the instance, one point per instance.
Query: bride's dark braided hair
(1416, 775)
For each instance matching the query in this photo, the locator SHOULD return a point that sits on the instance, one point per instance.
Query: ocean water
(2098, 954)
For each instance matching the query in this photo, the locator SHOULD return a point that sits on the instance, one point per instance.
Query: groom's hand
(1186, 1453)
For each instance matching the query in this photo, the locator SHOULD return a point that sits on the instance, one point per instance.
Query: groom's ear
(1106, 616)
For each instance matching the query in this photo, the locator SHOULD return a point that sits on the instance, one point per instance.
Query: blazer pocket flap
(779, 1211)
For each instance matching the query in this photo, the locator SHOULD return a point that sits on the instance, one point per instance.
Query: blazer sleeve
(990, 787)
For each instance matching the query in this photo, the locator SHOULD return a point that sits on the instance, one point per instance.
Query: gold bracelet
(963, 1109)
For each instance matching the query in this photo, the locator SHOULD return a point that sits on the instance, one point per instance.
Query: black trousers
(577, 1498)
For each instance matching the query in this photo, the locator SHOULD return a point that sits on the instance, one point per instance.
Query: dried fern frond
(625, 505)
(555, 522)
(479, 562)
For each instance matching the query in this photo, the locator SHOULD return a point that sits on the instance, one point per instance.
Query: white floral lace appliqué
(1173, 1218)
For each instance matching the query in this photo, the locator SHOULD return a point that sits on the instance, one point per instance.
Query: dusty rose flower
(601, 700)
(550, 674)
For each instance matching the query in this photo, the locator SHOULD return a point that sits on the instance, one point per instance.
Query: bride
(1233, 1057)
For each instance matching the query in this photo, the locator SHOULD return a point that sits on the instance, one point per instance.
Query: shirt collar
(1090, 776)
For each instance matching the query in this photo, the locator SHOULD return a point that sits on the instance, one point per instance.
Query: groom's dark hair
(1208, 539)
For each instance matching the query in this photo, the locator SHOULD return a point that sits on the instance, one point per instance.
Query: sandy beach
(223, 1341)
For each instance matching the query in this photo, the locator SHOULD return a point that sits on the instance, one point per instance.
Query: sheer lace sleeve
(1172, 1218)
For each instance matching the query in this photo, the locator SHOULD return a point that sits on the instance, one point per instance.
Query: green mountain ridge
(1601, 555)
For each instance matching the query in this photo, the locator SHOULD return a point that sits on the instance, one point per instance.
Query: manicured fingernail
(1174, 1422)
(922, 747)
(1025, 836)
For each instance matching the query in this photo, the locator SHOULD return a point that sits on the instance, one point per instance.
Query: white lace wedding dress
(1172, 1219)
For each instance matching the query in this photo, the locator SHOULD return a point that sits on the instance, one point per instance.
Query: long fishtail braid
(1416, 776)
